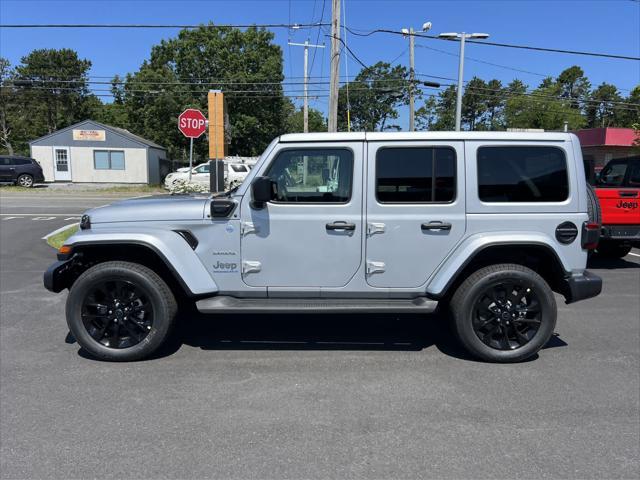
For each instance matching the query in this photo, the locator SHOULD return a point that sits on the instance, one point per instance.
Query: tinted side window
(522, 174)
(415, 175)
(634, 175)
(313, 175)
(5, 161)
(21, 161)
(612, 174)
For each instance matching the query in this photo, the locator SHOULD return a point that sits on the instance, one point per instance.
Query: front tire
(25, 180)
(120, 311)
(504, 313)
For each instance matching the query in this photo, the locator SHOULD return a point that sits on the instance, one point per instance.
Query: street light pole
(462, 37)
(460, 81)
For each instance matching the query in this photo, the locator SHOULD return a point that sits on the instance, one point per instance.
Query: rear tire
(120, 311)
(612, 249)
(593, 206)
(25, 180)
(521, 305)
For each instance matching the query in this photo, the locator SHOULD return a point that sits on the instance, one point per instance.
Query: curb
(58, 230)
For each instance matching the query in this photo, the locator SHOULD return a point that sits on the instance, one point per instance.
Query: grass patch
(57, 240)
(132, 189)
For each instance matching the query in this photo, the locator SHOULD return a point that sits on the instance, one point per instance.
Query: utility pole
(412, 79)
(306, 46)
(335, 66)
(462, 37)
(412, 72)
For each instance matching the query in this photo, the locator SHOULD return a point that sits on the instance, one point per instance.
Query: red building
(599, 145)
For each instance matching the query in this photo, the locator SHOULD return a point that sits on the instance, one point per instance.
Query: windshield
(612, 174)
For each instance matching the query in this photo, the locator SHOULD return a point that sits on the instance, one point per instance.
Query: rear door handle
(628, 194)
(341, 226)
(436, 226)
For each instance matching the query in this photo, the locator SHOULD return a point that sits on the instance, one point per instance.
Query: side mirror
(261, 192)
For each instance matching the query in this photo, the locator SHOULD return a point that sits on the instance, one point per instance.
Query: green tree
(630, 111)
(574, 85)
(7, 107)
(374, 96)
(295, 119)
(438, 114)
(604, 108)
(246, 65)
(543, 108)
(56, 88)
(473, 102)
(494, 105)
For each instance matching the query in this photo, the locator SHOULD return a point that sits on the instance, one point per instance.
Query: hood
(152, 208)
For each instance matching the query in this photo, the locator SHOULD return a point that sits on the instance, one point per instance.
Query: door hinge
(247, 227)
(375, 267)
(251, 267)
(373, 228)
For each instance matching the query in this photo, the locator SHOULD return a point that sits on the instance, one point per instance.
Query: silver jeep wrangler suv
(491, 224)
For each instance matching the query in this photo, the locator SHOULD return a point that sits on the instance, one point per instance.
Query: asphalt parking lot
(308, 396)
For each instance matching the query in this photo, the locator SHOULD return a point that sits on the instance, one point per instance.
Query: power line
(148, 25)
(310, 26)
(482, 61)
(505, 45)
(353, 55)
(313, 58)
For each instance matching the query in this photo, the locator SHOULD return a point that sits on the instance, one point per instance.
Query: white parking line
(15, 215)
(634, 254)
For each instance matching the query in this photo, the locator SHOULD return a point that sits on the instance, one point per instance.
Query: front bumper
(580, 286)
(59, 275)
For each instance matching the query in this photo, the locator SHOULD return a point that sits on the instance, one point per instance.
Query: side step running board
(226, 304)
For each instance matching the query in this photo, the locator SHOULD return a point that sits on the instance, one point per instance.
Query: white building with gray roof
(91, 152)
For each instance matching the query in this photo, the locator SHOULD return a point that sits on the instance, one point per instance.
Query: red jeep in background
(618, 189)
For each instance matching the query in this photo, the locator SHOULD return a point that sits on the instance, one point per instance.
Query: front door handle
(341, 226)
(628, 194)
(436, 226)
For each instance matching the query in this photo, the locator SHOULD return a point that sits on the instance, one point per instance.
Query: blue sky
(609, 26)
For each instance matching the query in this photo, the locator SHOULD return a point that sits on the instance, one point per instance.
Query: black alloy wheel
(507, 316)
(117, 313)
(504, 313)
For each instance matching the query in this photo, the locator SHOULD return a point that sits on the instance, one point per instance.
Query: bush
(181, 187)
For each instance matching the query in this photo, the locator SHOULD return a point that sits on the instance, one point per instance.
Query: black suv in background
(22, 171)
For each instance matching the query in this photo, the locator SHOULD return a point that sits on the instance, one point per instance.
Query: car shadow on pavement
(610, 263)
(354, 332)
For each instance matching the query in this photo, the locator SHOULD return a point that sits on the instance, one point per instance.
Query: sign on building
(90, 135)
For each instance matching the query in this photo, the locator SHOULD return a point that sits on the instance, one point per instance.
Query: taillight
(590, 235)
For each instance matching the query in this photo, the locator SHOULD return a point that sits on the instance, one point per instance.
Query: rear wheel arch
(538, 257)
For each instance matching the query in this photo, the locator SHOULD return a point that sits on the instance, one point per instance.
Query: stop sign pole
(192, 123)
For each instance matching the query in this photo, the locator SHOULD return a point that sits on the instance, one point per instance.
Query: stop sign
(192, 123)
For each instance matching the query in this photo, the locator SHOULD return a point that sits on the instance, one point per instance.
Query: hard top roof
(394, 136)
